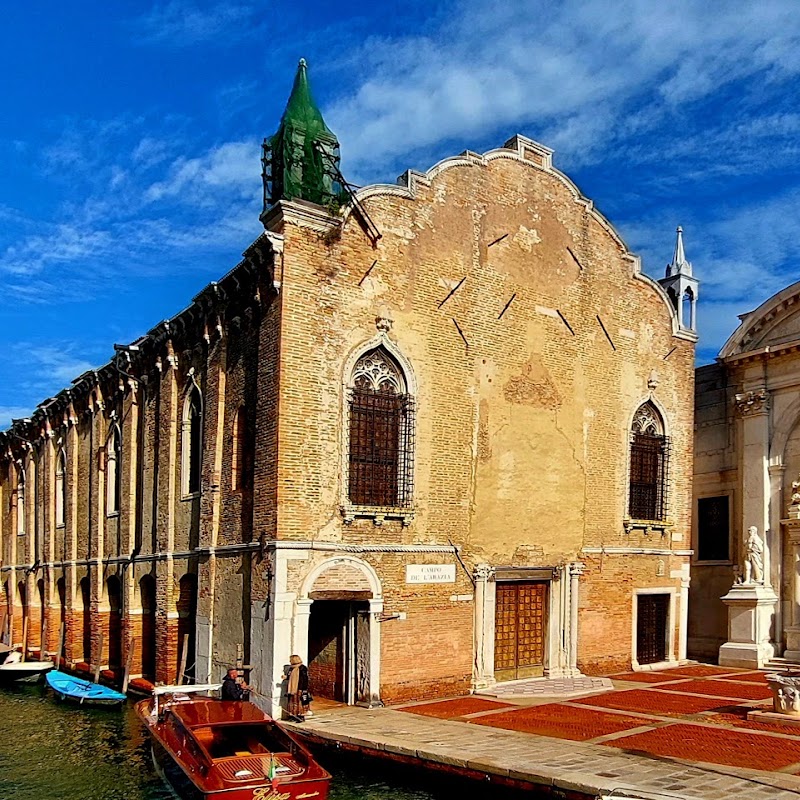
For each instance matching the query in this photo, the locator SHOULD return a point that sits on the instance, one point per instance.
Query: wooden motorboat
(211, 749)
(86, 693)
(15, 669)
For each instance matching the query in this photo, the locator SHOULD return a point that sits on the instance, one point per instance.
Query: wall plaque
(430, 573)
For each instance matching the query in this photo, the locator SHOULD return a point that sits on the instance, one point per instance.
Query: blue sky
(130, 131)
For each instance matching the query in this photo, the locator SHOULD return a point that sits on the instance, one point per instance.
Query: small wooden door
(520, 626)
(651, 628)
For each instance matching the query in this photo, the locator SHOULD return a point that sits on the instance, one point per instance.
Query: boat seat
(205, 737)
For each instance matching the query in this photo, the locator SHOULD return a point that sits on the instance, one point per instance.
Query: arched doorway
(343, 635)
(86, 620)
(147, 593)
(6, 630)
(61, 588)
(187, 613)
(42, 618)
(114, 592)
(22, 597)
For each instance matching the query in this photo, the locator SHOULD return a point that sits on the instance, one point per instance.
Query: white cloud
(577, 69)
(230, 167)
(181, 23)
(58, 362)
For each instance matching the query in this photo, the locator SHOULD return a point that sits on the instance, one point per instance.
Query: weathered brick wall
(522, 435)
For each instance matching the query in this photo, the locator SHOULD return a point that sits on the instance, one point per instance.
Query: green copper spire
(301, 161)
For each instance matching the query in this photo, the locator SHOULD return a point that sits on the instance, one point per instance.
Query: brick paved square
(562, 721)
(651, 701)
(717, 746)
(721, 688)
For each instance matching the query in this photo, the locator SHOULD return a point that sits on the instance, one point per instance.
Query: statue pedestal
(792, 652)
(751, 608)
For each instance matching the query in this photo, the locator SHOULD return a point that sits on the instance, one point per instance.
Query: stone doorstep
(546, 687)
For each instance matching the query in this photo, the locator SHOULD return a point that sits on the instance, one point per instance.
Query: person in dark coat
(298, 697)
(232, 689)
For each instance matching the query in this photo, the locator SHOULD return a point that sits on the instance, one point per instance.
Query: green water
(51, 750)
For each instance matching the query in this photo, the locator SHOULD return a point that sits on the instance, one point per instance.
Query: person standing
(232, 687)
(298, 697)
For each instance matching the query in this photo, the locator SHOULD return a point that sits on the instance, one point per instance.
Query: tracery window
(113, 470)
(649, 465)
(381, 433)
(192, 431)
(61, 487)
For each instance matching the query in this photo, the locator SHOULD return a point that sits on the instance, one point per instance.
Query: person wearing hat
(232, 687)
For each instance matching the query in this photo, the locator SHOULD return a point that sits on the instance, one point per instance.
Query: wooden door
(520, 627)
(651, 628)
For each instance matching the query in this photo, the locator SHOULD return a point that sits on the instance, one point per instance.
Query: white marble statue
(753, 557)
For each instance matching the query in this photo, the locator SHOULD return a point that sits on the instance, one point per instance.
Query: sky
(130, 135)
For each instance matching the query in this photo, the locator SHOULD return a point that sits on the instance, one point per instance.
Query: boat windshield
(226, 741)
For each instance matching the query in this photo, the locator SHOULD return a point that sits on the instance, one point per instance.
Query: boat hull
(81, 692)
(24, 671)
(195, 771)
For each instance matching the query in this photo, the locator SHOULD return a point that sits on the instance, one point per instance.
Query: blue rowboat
(83, 692)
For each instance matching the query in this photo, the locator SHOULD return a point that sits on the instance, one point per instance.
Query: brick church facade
(429, 436)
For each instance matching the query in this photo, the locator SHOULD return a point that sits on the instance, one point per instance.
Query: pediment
(774, 323)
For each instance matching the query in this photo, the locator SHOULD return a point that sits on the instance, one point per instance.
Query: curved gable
(535, 156)
(774, 323)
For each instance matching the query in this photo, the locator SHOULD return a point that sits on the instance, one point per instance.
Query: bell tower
(301, 160)
(682, 286)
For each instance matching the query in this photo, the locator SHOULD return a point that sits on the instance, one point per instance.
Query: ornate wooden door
(520, 630)
(652, 614)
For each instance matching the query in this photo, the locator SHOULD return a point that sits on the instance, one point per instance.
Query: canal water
(49, 750)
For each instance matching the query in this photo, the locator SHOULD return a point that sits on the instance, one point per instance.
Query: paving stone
(566, 765)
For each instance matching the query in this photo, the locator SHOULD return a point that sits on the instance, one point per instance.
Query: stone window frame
(351, 511)
(648, 526)
(728, 493)
(60, 487)
(21, 496)
(113, 450)
(189, 491)
(238, 437)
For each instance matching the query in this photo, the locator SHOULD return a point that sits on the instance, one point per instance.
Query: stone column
(753, 408)
(484, 626)
(684, 624)
(751, 606)
(575, 572)
(375, 610)
(792, 524)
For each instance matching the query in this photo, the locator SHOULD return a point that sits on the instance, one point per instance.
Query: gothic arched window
(61, 487)
(647, 498)
(237, 449)
(21, 507)
(113, 470)
(192, 431)
(381, 431)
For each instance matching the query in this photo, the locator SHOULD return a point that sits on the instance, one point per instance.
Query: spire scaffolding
(301, 160)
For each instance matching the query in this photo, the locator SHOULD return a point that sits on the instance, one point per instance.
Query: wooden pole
(99, 658)
(184, 652)
(127, 675)
(25, 638)
(61, 635)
